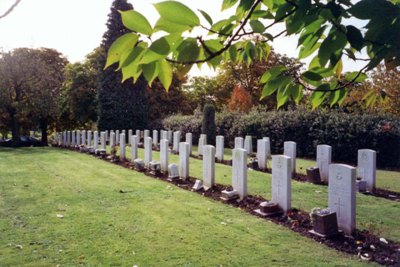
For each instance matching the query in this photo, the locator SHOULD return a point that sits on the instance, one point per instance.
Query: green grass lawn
(378, 215)
(153, 224)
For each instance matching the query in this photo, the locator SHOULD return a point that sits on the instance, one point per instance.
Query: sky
(76, 27)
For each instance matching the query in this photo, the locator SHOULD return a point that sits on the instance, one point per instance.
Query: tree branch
(10, 9)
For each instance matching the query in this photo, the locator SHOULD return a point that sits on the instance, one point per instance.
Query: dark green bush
(346, 133)
(208, 125)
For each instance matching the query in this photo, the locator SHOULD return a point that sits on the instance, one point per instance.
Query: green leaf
(317, 98)
(352, 76)
(150, 72)
(206, 16)
(228, 4)
(233, 53)
(178, 13)
(170, 27)
(130, 56)
(272, 73)
(131, 71)
(243, 7)
(165, 73)
(157, 50)
(135, 21)
(337, 96)
(367, 9)
(257, 26)
(118, 47)
(295, 91)
(282, 96)
(188, 50)
(334, 43)
(354, 37)
(310, 75)
(274, 84)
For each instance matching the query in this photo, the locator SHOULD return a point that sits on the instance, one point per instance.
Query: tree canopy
(326, 32)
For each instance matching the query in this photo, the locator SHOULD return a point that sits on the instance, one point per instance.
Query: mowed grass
(379, 216)
(152, 224)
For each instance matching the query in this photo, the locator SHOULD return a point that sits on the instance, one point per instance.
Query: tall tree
(322, 28)
(121, 105)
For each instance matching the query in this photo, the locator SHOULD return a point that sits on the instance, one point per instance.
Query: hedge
(345, 132)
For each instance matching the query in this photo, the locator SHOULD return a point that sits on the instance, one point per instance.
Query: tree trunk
(15, 130)
(43, 127)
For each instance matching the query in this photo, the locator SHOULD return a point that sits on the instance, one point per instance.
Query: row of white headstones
(340, 177)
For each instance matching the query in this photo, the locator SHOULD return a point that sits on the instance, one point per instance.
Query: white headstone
(122, 147)
(130, 133)
(173, 171)
(289, 149)
(324, 158)
(117, 137)
(169, 136)
(155, 138)
(219, 153)
(281, 181)
(146, 134)
(138, 135)
(107, 136)
(83, 139)
(103, 140)
(202, 142)
(89, 138)
(248, 144)
(164, 135)
(238, 142)
(112, 140)
(239, 171)
(189, 140)
(208, 166)
(134, 147)
(68, 138)
(183, 160)
(177, 139)
(73, 142)
(78, 137)
(268, 146)
(342, 195)
(262, 153)
(367, 167)
(147, 151)
(95, 140)
(164, 150)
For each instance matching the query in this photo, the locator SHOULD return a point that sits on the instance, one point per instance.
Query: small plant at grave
(208, 126)
(113, 152)
(374, 229)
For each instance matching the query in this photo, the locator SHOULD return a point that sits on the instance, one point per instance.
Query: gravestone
(164, 135)
(281, 181)
(64, 143)
(107, 136)
(324, 158)
(68, 138)
(73, 142)
(164, 149)
(95, 140)
(154, 167)
(342, 196)
(219, 150)
(147, 151)
(208, 166)
(289, 149)
(124, 132)
(134, 147)
(103, 140)
(117, 137)
(130, 133)
(112, 140)
(169, 136)
(146, 134)
(78, 137)
(202, 142)
(89, 138)
(138, 135)
(239, 171)
(366, 166)
(155, 138)
(248, 144)
(197, 185)
(139, 164)
(173, 171)
(268, 146)
(262, 154)
(183, 160)
(189, 140)
(83, 139)
(122, 147)
(177, 139)
(238, 142)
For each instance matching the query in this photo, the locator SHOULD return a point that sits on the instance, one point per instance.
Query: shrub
(346, 133)
(208, 125)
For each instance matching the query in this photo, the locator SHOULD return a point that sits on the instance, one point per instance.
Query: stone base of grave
(324, 225)
(268, 209)
(361, 186)
(138, 165)
(313, 175)
(155, 168)
(174, 178)
(229, 195)
(197, 185)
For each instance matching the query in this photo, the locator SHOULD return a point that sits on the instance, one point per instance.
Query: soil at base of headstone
(364, 244)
